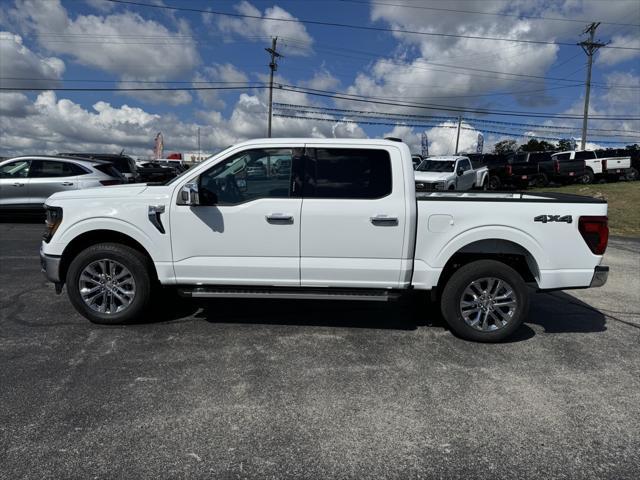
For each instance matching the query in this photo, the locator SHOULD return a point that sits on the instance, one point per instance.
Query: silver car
(26, 182)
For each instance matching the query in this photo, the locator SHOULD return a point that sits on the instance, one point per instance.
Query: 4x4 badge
(553, 218)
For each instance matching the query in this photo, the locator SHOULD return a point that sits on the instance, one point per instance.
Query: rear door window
(562, 157)
(585, 155)
(354, 173)
(52, 169)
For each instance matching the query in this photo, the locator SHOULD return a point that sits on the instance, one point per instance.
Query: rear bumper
(600, 276)
(50, 266)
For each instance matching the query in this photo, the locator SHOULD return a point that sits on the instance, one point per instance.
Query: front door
(468, 177)
(353, 218)
(14, 184)
(247, 228)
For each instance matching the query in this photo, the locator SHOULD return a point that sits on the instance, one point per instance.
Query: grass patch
(623, 199)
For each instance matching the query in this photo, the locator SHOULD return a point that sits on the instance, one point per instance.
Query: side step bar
(297, 293)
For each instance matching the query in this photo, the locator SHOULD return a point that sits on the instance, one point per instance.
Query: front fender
(157, 250)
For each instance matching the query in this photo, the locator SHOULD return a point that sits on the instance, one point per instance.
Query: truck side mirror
(189, 195)
(460, 171)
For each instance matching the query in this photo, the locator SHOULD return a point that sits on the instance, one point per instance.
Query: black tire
(631, 175)
(133, 260)
(451, 187)
(541, 181)
(587, 178)
(494, 183)
(453, 292)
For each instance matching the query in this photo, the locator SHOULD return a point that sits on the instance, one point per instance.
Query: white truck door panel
(251, 235)
(351, 241)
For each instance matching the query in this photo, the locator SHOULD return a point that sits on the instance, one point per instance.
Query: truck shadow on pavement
(555, 312)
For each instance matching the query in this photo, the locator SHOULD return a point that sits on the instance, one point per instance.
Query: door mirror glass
(189, 195)
(460, 171)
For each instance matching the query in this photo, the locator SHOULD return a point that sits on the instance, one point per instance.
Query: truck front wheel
(109, 283)
(485, 301)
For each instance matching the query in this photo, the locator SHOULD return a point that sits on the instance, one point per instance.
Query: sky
(437, 72)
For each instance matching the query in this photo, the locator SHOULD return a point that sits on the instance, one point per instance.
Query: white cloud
(124, 44)
(217, 73)
(442, 139)
(49, 125)
(611, 56)
(293, 36)
(20, 63)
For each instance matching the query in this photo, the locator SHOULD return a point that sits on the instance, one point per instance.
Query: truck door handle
(279, 218)
(67, 184)
(383, 220)
(18, 184)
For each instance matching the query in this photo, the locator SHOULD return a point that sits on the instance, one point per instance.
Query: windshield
(437, 166)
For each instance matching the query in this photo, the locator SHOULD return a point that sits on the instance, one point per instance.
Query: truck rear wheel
(485, 301)
(109, 283)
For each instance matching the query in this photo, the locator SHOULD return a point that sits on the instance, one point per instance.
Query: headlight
(52, 222)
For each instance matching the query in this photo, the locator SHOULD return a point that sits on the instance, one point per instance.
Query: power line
(420, 125)
(377, 100)
(345, 25)
(374, 114)
(127, 89)
(451, 10)
(326, 94)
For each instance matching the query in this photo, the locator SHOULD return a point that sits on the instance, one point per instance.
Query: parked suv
(123, 163)
(26, 182)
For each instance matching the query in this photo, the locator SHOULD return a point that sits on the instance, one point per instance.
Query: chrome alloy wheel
(107, 286)
(488, 304)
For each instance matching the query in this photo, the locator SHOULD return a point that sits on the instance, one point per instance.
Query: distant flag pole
(425, 145)
(480, 144)
(158, 146)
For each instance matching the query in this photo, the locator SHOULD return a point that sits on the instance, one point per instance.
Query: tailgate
(618, 164)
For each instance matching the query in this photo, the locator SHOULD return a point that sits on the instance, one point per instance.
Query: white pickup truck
(599, 165)
(344, 224)
(450, 173)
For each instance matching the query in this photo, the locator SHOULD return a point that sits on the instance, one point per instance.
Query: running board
(297, 293)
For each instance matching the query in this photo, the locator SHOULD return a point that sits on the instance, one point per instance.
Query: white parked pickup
(343, 223)
(450, 173)
(599, 165)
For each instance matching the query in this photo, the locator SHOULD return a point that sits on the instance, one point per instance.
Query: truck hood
(432, 176)
(115, 191)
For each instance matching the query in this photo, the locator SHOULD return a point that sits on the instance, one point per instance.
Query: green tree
(635, 146)
(505, 146)
(565, 144)
(535, 145)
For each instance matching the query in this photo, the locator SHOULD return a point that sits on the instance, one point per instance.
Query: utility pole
(199, 144)
(458, 136)
(590, 47)
(273, 66)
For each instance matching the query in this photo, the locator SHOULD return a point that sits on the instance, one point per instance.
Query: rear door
(50, 176)
(14, 184)
(353, 217)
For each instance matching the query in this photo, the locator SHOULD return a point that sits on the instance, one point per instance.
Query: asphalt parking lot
(300, 389)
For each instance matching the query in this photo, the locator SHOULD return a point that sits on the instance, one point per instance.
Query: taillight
(106, 183)
(509, 170)
(595, 231)
(556, 166)
(604, 164)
